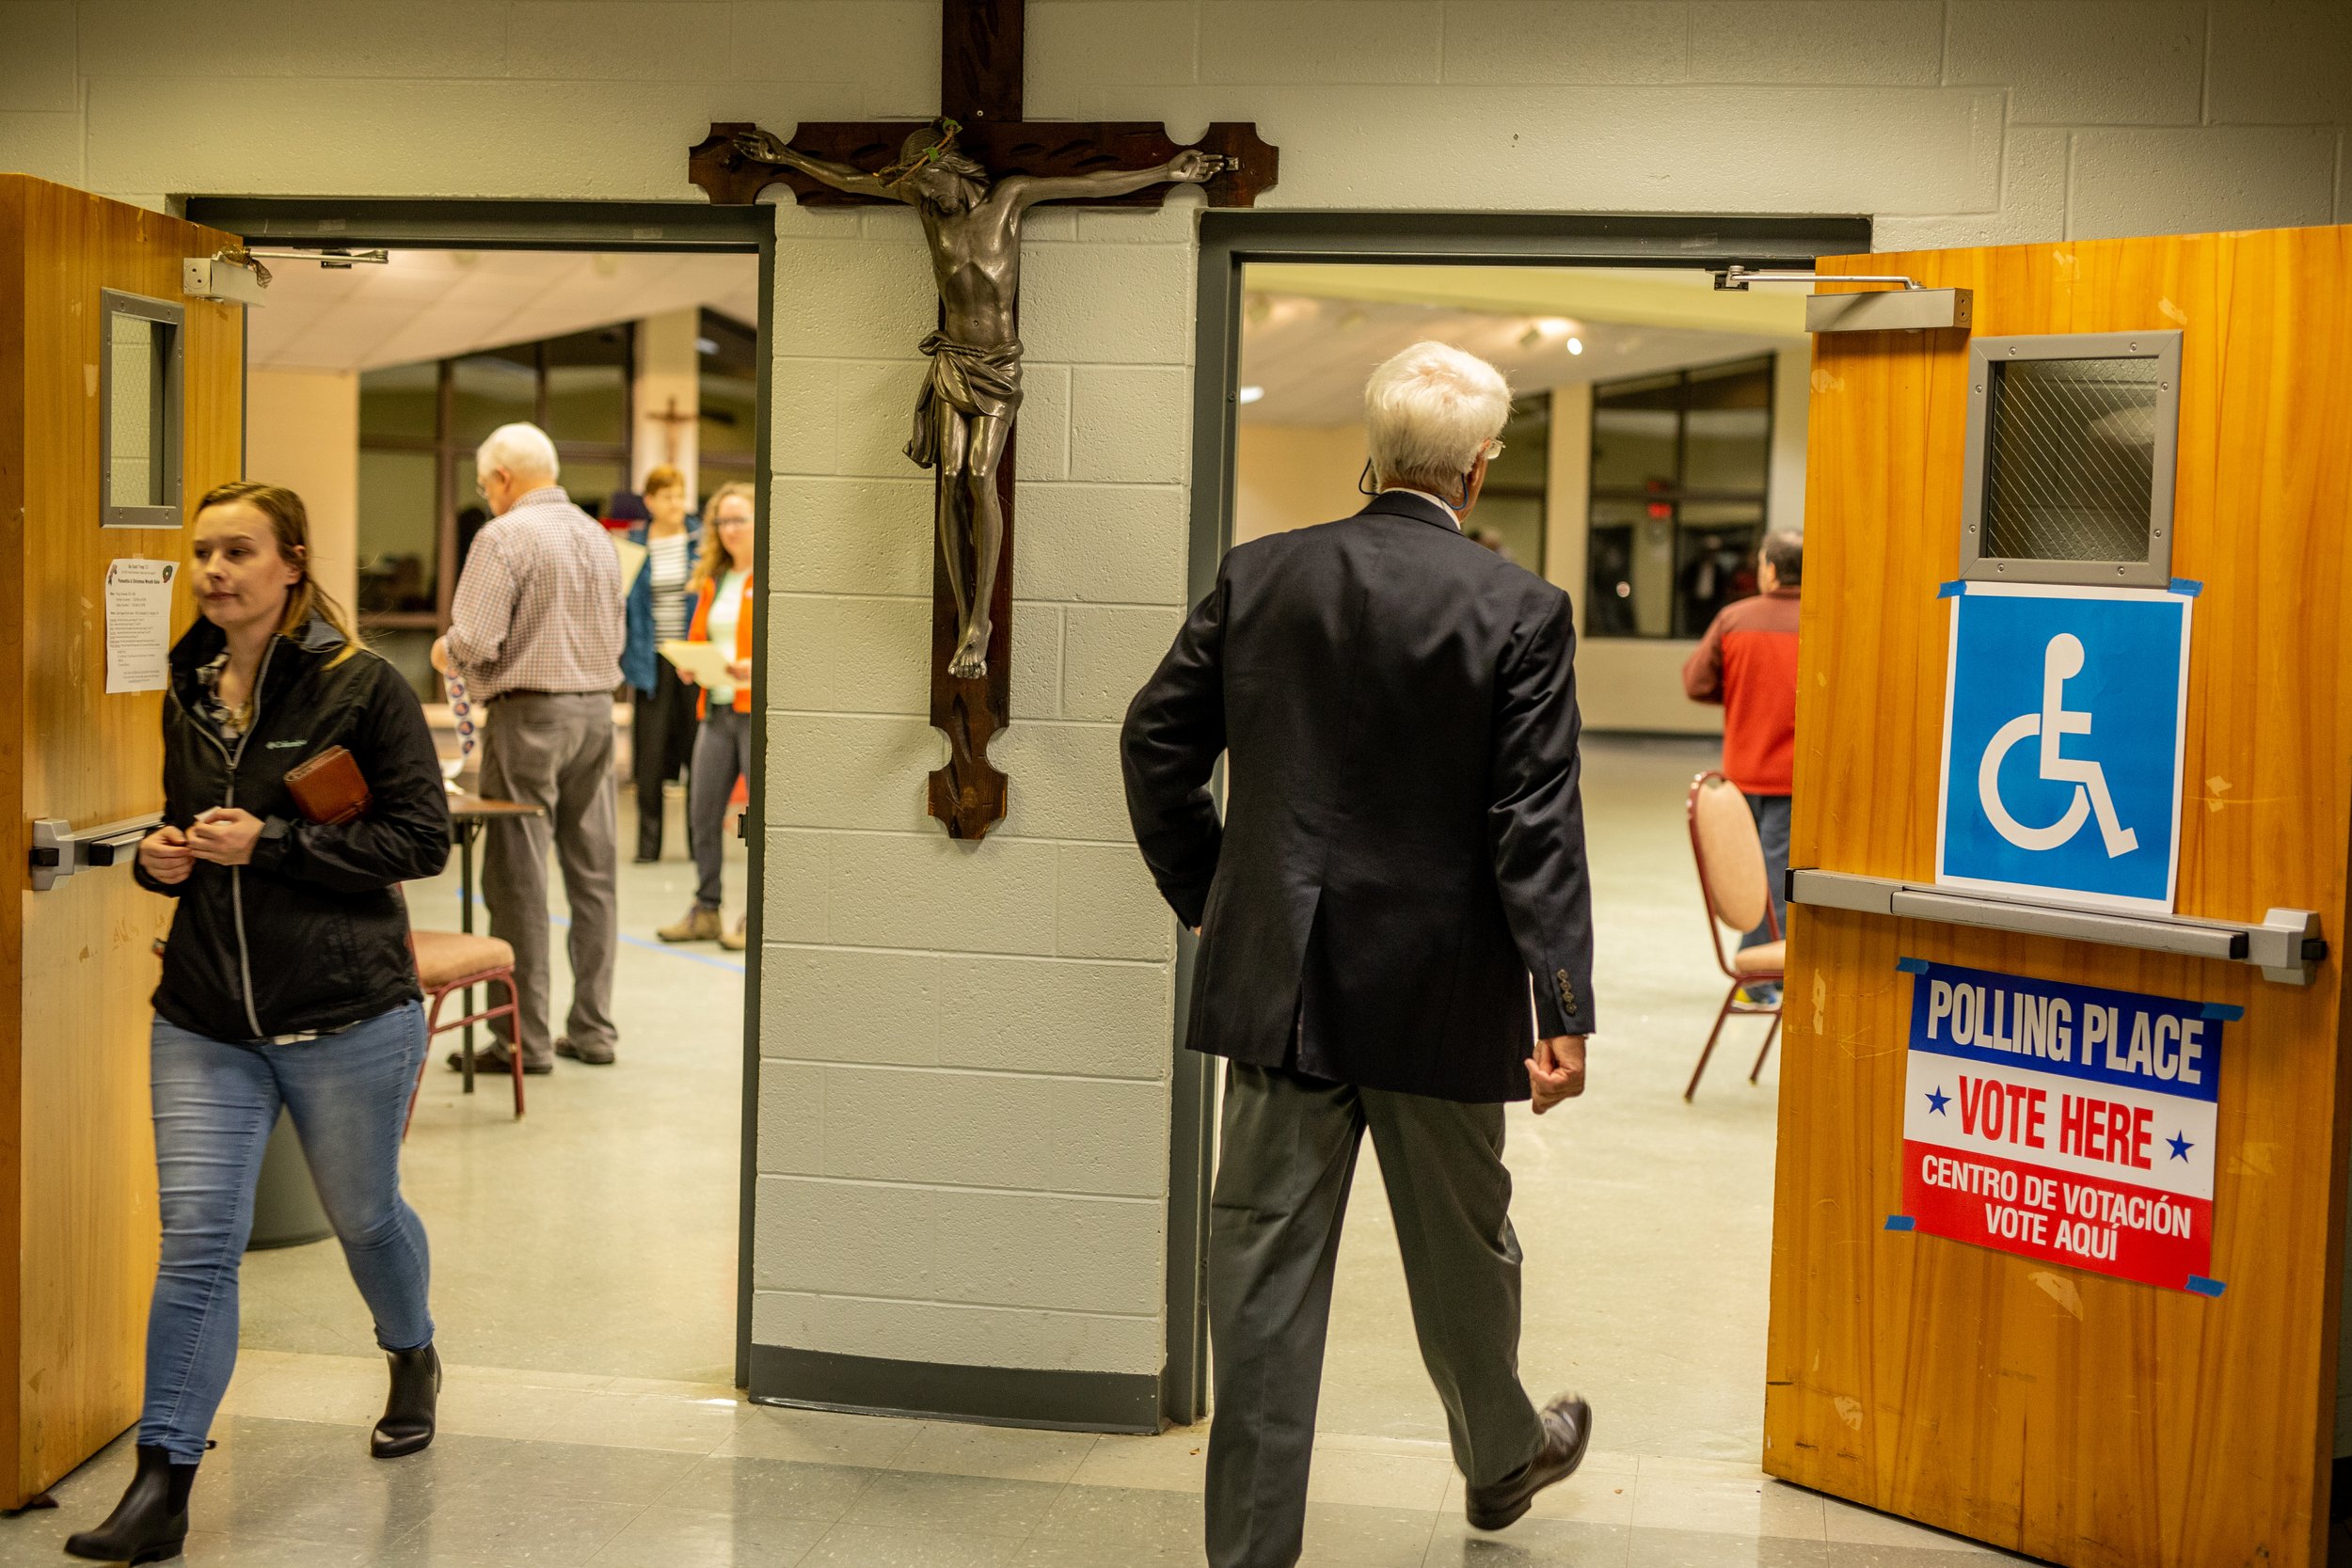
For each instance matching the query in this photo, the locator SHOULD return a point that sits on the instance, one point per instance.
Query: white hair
(522, 450)
(1428, 412)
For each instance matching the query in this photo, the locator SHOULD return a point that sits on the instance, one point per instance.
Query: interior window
(1680, 463)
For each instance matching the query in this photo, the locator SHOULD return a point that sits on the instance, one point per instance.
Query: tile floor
(571, 1470)
(585, 1273)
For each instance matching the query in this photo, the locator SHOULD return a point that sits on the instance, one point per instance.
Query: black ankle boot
(407, 1423)
(150, 1521)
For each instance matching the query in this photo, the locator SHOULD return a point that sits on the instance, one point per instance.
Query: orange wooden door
(2056, 1411)
(77, 1175)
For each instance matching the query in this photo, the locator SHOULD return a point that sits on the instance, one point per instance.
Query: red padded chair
(1735, 886)
(447, 963)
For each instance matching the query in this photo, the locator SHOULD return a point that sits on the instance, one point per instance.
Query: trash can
(286, 1211)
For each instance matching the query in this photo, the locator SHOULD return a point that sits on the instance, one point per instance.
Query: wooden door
(77, 1175)
(2053, 1410)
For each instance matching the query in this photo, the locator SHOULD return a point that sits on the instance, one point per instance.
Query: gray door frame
(365, 222)
(1230, 240)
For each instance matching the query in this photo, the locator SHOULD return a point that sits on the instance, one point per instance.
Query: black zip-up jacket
(311, 935)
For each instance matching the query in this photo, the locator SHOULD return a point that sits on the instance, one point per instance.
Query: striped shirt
(666, 562)
(539, 606)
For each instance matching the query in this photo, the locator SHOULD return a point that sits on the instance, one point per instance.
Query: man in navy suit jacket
(1402, 852)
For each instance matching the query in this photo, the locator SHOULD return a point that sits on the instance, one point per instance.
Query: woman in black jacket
(287, 980)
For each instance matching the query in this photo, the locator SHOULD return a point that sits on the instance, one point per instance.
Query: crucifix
(671, 418)
(970, 176)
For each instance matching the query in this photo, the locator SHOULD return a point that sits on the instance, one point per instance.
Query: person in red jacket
(1748, 663)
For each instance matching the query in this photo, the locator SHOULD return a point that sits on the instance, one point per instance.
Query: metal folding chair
(1735, 886)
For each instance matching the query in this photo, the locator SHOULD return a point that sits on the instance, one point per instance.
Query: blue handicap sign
(2062, 742)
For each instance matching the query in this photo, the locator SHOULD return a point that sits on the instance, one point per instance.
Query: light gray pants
(722, 754)
(554, 752)
(1289, 1155)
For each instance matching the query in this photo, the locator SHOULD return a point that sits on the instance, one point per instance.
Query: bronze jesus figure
(966, 407)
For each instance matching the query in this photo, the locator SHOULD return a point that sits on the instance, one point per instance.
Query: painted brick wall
(963, 1131)
(963, 1092)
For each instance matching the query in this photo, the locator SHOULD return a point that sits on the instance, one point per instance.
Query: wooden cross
(671, 418)
(980, 83)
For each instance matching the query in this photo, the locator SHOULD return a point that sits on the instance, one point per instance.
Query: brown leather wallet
(328, 789)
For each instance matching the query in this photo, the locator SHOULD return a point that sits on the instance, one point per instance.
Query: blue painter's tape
(1952, 590)
(2203, 1287)
(2226, 1012)
(1904, 1222)
(2187, 588)
(1912, 966)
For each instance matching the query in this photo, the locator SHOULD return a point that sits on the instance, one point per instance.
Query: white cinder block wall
(963, 1113)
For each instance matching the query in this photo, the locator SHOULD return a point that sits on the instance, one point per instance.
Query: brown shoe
(738, 939)
(696, 925)
(493, 1061)
(1568, 1427)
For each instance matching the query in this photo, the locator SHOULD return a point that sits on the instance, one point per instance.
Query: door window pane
(1716, 545)
(1634, 431)
(2071, 471)
(588, 386)
(729, 354)
(1679, 468)
(1510, 516)
(138, 370)
(401, 402)
(729, 404)
(591, 485)
(399, 532)
(491, 389)
(1632, 553)
(1729, 428)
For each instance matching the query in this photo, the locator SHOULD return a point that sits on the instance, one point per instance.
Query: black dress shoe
(150, 1522)
(494, 1060)
(407, 1423)
(1567, 1428)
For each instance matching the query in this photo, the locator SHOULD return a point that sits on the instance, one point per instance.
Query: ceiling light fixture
(1250, 394)
(1576, 346)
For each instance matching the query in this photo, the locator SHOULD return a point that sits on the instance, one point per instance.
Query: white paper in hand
(705, 663)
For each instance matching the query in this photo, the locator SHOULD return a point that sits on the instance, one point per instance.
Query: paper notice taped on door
(138, 625)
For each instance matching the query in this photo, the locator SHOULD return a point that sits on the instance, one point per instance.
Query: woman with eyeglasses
(722, 603)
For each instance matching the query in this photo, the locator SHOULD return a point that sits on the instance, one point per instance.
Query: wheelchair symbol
(2061, 661)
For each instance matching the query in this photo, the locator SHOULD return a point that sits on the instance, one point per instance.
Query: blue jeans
(1772, 825)
(215, 1103)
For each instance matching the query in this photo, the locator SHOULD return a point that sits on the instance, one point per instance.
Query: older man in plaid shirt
(535, 631)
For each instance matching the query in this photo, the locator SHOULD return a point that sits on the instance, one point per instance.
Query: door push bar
(60, 851)
(2286, 945)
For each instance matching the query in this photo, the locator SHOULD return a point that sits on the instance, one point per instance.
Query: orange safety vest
(699, 632)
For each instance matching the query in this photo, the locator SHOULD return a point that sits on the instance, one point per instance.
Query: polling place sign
(2062, 1122)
